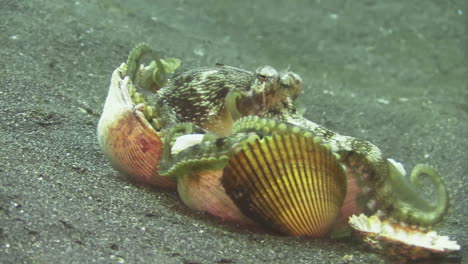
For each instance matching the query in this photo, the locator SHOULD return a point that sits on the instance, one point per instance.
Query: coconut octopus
(234, 145)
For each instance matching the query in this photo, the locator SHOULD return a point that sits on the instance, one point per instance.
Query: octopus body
(214, 97)
(234, 145)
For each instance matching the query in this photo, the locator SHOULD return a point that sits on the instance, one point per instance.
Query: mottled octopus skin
(214, 97)
(189, 96)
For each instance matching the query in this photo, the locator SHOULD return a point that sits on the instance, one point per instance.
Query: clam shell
(401, 241)
(126, 137)
(198, 166)
(202, 191)
(290, 183)
(354, 203)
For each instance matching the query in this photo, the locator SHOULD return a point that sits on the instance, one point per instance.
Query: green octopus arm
(411, 207)
(383, 186)
(209, 154)
(153, 76)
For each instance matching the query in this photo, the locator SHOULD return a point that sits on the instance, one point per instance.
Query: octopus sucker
(233, 144)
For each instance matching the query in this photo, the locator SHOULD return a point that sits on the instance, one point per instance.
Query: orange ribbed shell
(127, 139)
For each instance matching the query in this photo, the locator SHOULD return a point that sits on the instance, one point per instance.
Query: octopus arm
(382, 185)
(409, 205)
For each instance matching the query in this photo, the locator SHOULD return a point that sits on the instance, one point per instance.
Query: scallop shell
(290, 183)
(401, 241)
(127, 138)
(275, 174)
(198, 164)
(202, 191)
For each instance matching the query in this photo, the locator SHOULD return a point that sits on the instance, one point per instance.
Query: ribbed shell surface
(288, 183)
(126, 137)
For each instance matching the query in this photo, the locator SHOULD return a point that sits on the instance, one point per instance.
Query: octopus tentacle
(383, 186)
(153, 76)
(299, 182)
(212, 151)
(418, 210)
(391, 191)
(169, 164)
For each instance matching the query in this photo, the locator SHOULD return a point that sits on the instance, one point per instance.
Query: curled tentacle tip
(410, 206)
(423, 170)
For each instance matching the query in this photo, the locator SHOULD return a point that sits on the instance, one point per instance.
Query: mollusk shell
(268, 172)
(402, 241)
(198, 167)
(290, 183)
(203, 191)
(127, 138)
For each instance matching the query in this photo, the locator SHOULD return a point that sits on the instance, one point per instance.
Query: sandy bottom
(391, 72)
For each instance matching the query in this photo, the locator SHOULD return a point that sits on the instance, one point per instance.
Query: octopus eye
(266, 73)
(262, 78)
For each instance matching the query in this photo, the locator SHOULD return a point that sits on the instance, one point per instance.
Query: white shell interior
(414, 237)
(186, 141)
